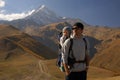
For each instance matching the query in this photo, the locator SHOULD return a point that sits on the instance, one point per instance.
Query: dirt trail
(42, 67)
(43, 70)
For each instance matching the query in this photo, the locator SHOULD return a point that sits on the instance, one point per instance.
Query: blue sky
(93, 12)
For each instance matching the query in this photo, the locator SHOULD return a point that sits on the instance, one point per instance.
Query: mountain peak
(43, 15)
(41, 7)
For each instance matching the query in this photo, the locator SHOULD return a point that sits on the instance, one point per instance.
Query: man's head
(78, 25)
(78, 29)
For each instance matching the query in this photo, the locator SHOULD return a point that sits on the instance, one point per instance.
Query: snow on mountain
(38, 17)
(41, 8)
(43, 15)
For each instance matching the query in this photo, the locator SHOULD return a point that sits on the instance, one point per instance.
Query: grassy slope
(26, 67)
(21, 64)
(94, 73)
(26, 42)
(108, 58)
(17, 68)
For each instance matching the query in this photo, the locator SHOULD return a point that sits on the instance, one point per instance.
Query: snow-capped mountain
(39, 17)
(43, 15)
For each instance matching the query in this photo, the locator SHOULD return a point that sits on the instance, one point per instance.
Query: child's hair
(68, 29)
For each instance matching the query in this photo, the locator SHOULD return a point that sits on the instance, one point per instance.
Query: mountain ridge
(39, 17)
(12, 36)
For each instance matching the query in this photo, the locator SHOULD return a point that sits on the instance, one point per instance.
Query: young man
(80, 52)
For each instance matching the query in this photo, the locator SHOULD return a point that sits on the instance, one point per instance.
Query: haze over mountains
(36, 35)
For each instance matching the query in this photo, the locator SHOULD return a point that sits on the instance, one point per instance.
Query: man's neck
(78, 36)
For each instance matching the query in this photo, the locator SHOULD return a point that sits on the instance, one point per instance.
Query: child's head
(67, 31)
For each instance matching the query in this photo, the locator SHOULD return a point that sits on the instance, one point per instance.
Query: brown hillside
(12, 37)
(104, 43)
(108, 56)
(16, 56)
(48, 34)
(101, 33)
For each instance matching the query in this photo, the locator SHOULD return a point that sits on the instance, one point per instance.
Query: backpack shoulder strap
(71, 44)
(85, 48)
(85, 43)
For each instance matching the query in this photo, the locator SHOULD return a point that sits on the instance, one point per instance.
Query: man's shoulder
(67, 41)
(85, 38)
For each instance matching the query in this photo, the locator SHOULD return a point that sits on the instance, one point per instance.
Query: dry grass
(27, 67)
(108, 58)
(17, 68)
(94, 73)
(19, 65)
(54, 70)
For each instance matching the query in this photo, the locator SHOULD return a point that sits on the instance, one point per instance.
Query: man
(80, 52)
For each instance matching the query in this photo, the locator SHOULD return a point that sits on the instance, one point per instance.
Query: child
(66, 32)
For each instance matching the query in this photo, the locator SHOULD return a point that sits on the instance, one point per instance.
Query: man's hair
(78, 25)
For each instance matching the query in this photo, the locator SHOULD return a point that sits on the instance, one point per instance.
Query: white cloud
(2, 3)
(14, 16)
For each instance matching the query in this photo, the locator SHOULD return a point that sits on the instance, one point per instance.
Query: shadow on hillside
(47, 42)
(93, 42)
(33, 46)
